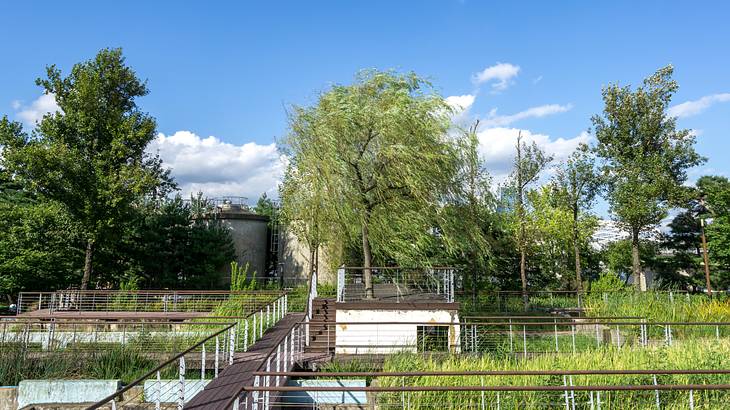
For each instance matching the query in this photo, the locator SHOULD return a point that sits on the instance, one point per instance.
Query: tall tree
(89, 156)
(644, 156)
(577, 183)
(378, 149)
(529, 162)
(715, 191)
(468, 213)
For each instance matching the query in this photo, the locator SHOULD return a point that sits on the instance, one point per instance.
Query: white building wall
(359, 333)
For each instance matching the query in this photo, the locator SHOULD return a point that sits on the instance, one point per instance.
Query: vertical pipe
(656, 394)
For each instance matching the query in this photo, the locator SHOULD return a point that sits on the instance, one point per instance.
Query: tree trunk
(523, 277)
(576, 250)
(639, 277)
(87, 264)
(367, 256)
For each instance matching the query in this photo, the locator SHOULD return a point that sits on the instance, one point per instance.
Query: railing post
(217, 354)
(656, 393)
(255, 393)
(261, 323)
(268, 316)
(267, 383)
(202, 363)
(181, 385)
(278, 363)
(341, 284)
(231, 344)
(245, 335)
(158, 397)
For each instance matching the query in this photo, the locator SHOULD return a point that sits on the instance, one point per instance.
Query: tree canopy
(89, 156)
(644, 157)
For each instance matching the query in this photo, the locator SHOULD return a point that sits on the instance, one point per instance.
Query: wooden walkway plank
(240, 373)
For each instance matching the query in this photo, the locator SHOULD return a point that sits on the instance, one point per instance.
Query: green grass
(695, 355)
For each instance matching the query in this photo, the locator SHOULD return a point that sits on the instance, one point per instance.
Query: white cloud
(33, 113)
(461, 103)
(494, 120)
(497, 148)
(694, 107)
(219, 168)
(500, 75)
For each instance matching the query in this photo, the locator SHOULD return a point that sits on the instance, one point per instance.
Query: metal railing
(512, 337)
(140, 301)
(398, 284)
(172, 383)
(571, 302)
(561, 389)
(285, 351)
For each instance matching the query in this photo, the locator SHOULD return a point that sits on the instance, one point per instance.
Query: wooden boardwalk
(240, 373)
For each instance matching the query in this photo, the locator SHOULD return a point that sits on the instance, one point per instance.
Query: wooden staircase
(322, 331)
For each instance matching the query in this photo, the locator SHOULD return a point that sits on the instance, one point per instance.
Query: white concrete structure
(389, 328)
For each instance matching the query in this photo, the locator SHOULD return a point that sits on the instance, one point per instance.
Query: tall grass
(695, 355)
(110, 362)
(659, 306)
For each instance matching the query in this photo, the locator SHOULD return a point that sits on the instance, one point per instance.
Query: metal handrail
(601, 372)
(174, 358)
(156, 369)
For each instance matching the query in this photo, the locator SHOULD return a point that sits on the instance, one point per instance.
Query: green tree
(644, 156)
(90, 156)
(378, 150)
(467, 226)
(529, 163)
(715, 191)
(577, 184)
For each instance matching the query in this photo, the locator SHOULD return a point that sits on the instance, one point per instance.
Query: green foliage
(239, 277)
(644, 156)
(37, 249)
(695, 355)
(89, 156)
(370, 161)
(607, 282)
(529, 163)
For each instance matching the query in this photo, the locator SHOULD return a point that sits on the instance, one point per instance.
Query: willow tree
(644, 156)
(378, 153)
(90, 156)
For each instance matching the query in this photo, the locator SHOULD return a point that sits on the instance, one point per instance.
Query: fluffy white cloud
(494, 120)
(461, 103)
(497, 148)
(694, 107)
(500, 74)
(219, 168)
(37, 109)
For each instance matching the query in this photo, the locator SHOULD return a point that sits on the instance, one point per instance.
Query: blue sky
(230, 69)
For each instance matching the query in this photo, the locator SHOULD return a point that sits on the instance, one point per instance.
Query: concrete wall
(372, 338)
(250, 235)
(295, 264)
(8, 398)
(169, 390)
(64, 391)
